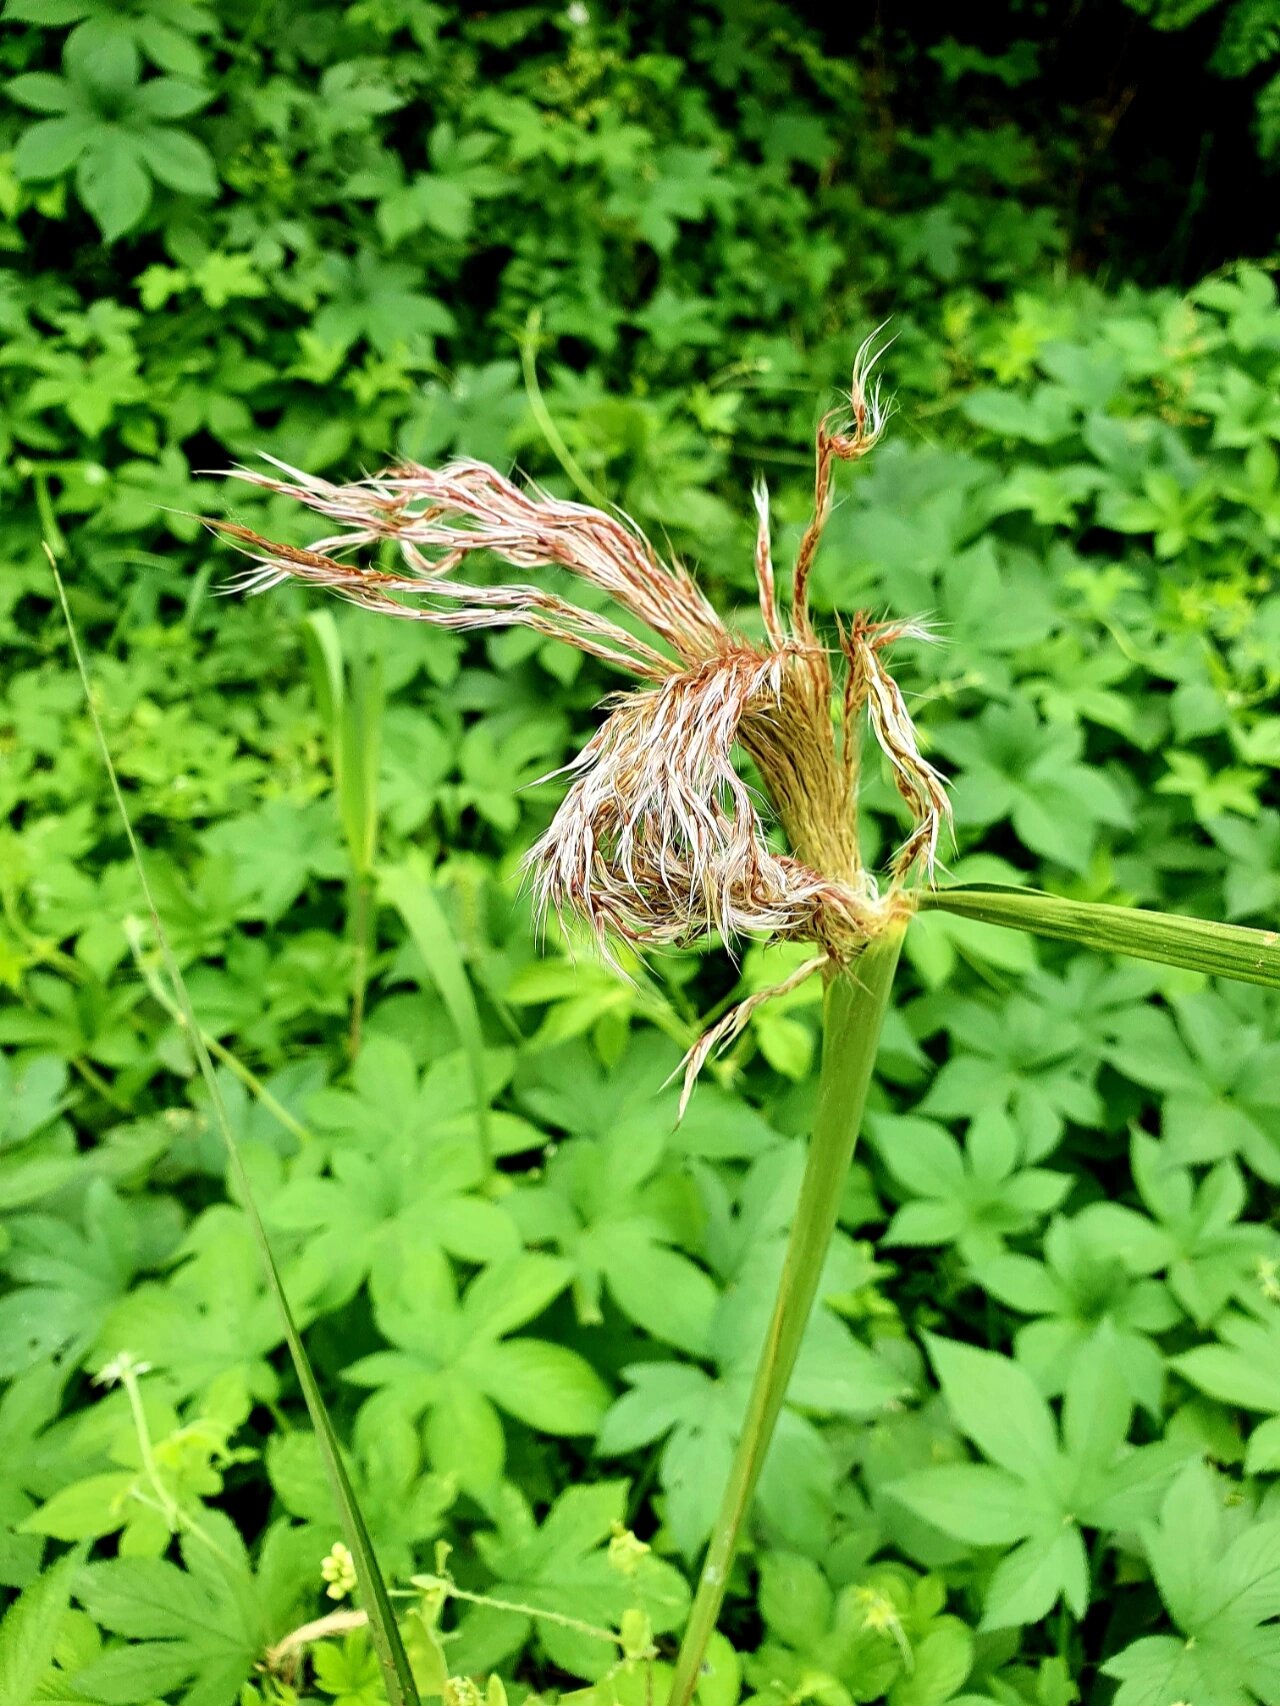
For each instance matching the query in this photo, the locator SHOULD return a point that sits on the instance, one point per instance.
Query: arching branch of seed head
(718, 1037)
(443, 603)
(440, 517)
(917, 781)
(844, 435)
(765, 582)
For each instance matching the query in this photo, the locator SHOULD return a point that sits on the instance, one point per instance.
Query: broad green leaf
(977, 1504)
(49, 149)
(1026, 1584)
(548, 1387)
(163, 98)
(202, 1627)
(180, 162)
(41, 91)
(1223, 1598)
(563, 1567)
(795, 1598)
(113, 184)
(995, 1403)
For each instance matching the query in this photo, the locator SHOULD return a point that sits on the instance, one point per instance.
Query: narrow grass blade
(362, 759)
(408, 889)
(546, 421)
(853, 1017)
(324, 653)
(351, 701)
(1222, 950)
(396, 1674)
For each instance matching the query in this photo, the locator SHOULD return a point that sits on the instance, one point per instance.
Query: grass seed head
(659, 839)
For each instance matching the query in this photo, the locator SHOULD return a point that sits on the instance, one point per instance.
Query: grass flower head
(659, 839)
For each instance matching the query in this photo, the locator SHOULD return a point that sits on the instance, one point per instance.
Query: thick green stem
(852, 1020)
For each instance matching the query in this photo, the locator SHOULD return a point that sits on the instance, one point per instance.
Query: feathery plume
(659, 840)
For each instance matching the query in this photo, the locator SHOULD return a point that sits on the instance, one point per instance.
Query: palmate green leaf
(29, 1632)
(1208, 1253)
(1044, 1485)
(882, 1635)
(71, 1273)
(388, 1134)
(609, 1210)
(202, 1628)
(1219, 950)
(697, 1416)
(1095, 1271)
(455, 1361)
(381, 301)
(973, 1198)
(1220, 1584)
(563, 1568)
(1022, 1057)
(1243, 1369)
(405, 1506)
(1216, 1064)
(214, 1319)
(1014, 765)
(396, 1675)
(1252, 884)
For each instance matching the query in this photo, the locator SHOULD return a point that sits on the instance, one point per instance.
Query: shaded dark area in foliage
(1160, 174)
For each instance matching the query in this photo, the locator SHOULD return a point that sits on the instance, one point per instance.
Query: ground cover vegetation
(1029, 1453)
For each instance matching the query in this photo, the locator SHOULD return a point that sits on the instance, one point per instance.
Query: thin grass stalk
(397, 1677)
(252, 1083)
(528, 344)
(853, 1017)
(349, 697)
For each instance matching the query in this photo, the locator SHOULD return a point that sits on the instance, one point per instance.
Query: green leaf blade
(1194, 944)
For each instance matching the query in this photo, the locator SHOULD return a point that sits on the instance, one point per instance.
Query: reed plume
(659, 840)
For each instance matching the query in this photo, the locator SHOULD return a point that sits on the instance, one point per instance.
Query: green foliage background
(1031, 1447)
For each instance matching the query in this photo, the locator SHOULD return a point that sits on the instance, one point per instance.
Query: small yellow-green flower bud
(625, 1551)
(339, 1571)
(636, 1634)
